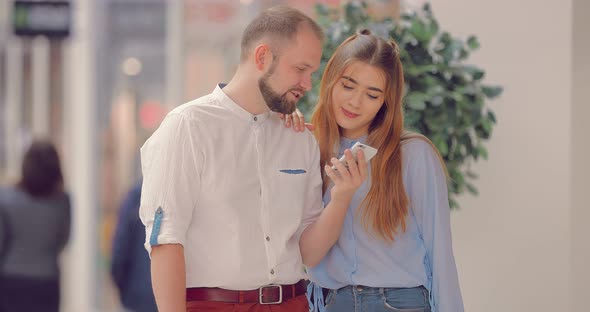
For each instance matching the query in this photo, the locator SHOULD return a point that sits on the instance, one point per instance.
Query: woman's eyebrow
(355, 82)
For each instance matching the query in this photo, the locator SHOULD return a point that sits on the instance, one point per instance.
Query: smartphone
(368, 151)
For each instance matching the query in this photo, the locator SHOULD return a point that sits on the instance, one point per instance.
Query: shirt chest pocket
(290, 187)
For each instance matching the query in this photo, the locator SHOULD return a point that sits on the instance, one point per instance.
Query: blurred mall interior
(102, 74)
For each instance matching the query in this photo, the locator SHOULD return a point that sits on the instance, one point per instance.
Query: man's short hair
(278, 23)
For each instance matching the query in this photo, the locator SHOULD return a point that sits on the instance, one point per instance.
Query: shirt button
(255, 118)
(272, 271)
(268, 238)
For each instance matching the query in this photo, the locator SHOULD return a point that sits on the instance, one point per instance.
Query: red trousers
(297, 304)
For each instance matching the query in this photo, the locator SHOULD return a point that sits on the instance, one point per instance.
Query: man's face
(289, 75)
(277, 102)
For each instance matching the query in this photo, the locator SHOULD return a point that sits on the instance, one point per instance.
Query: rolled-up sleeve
(171, 164)
(427, 189)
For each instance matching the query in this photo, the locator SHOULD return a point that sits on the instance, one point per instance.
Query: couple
(232, 200)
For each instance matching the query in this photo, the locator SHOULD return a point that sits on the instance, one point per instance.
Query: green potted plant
(445, 96)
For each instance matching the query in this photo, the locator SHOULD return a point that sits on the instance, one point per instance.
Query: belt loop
(241, 296)
(293, 290)
(381, 291)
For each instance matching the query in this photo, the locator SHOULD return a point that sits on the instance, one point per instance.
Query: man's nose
(306, 83)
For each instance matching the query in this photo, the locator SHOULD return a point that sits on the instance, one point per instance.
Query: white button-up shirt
(235, 189)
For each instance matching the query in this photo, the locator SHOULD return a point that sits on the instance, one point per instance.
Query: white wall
(512, 243)
(581, 155)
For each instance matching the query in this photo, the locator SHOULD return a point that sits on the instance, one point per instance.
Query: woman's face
(357, 96)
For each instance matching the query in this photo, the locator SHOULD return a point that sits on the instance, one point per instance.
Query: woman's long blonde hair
(385, 207)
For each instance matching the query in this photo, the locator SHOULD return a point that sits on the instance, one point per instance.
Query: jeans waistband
(360, 289)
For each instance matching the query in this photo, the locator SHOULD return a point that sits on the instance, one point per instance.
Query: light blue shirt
(420, 256)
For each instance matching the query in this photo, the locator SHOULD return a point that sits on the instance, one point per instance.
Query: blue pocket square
(293, 171)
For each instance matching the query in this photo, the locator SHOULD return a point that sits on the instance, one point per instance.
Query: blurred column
(174, 53)
(40, 67)
(81, 146)
(13, 102)
(4, 26)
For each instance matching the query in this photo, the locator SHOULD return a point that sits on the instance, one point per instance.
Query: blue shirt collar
(348, 143)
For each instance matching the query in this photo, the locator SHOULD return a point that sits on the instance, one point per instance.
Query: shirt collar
(348, 143)
(228, 103)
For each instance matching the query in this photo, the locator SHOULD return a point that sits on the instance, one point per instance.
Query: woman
(35, 228)
(394, 252)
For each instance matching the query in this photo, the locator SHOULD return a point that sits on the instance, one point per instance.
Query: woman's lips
(349, 114)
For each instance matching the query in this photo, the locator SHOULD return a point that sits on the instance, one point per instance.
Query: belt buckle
(261, 294)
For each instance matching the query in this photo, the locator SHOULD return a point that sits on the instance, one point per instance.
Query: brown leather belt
(269, 294)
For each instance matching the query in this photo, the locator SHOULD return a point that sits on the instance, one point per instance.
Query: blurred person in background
(34, 229)
(130, 265)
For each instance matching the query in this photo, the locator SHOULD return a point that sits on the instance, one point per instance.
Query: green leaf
(453, 204)
(472, 43)
(492, 92)
(436, 100)
(471, 188)
(482, 151)
(487, 125)
(411, 118)
(422, 31)
(435, 89)
(420, 69)
(416, 100)
(473, 71)
(460, 181)
(442, 147)
(492, 116)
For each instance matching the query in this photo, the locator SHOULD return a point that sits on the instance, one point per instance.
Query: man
(231, 199)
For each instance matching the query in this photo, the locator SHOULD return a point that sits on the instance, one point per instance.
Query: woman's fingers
(351, 163)
(341, 167)
(288, 120)
(352, 171)
(329, 171)
(362, 165)
(338, 170)
(298, 120)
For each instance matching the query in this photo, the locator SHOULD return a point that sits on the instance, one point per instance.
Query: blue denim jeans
(369, 299)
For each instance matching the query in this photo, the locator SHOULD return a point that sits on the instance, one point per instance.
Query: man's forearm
(169, 277)
(321, 235)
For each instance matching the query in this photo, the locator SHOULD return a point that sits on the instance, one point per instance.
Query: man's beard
(275, 101)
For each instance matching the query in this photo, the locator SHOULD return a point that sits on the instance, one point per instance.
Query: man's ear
(262, 56)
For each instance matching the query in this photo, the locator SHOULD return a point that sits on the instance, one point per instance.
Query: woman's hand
(323, 233)
(347, 180)
(297, 120)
